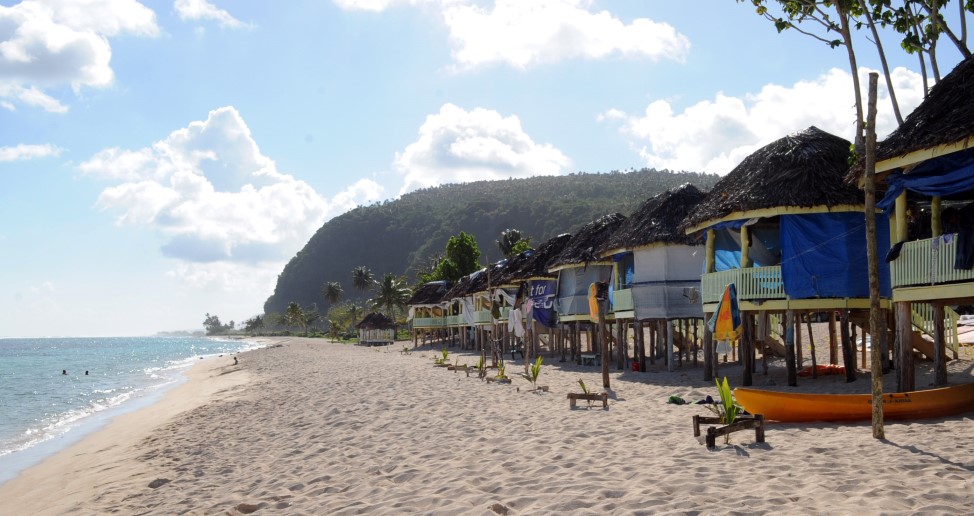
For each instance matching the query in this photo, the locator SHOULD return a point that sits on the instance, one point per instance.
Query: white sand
(321, 428)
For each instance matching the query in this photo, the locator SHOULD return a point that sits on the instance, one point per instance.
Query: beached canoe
(795, 407)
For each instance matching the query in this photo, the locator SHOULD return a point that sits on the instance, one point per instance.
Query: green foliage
(390, 293)
(534, 372)
(213, 325)
(405, 234)
(585, 390)
(512, 242)
(445, 353)
(362, 277)
(332, 291)
(500, 370)
(254, 325)
(727, 410)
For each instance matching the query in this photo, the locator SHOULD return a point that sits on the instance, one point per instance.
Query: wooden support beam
(904, 336)
(708, 351)
(790, 348)
(939, 347)
(848, 348)
(669, 345)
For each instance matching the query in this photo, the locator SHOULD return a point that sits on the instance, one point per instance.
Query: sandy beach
(309, 427)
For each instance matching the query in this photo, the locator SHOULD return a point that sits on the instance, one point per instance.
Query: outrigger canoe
(795, 407)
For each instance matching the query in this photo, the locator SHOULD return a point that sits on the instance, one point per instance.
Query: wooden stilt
(669, 345)
(833, 348)
(747, 338)
(939, 349)
(848, 349)
(708, 351)
(799, 345)
(790, 348)
(811, 347)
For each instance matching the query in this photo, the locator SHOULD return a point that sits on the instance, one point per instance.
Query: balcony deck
(929, 263)
(753, 284)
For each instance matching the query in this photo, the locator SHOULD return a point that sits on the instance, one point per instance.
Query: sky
(164, 159)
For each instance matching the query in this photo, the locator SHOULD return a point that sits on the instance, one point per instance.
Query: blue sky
(164, 159)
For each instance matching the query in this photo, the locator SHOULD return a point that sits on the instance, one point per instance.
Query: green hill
(401, 236)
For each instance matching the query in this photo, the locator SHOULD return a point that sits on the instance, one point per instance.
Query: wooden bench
(573, 397)
(742, 423)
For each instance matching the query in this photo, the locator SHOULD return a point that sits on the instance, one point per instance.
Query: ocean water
(43, 410)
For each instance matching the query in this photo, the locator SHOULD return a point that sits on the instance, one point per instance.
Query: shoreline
(32, 489)
(307, 426)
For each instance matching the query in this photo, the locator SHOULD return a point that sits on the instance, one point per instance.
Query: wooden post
(848, 347)
(669, 345)
(936, 227)
(904, 334)
(745, 248)
(621, 346)
(652, 342)
(708, 351)
(901, 229)
(939, 349)
(747, 342)
(811, 346)
(695, 343)
(604, 336)
(833, 347)
(790, 348)
(799, 345)
(711, 249)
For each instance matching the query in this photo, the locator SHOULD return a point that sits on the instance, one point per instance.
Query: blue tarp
(765, 247)
(824, 255)
(943, 176)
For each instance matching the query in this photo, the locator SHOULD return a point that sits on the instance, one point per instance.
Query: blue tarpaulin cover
(824, 255)
(943, 176)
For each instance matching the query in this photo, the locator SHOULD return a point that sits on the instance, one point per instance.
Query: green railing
(429, 322)
(924, 262)
(454, 320)
(923, 320)
(752, 283)
(622, 300)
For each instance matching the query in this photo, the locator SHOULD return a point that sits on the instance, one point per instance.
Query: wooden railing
(454, 320)
(752, 283)
(622, 300)
(429, 322)
(923, 320)
(923, 262)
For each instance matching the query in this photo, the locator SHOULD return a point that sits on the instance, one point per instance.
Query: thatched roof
(534, 263)
(657, 220)
(804, 169)
(478, 283)
(946, 116)
(430, 293)
(376, 321)
(462, 286)
(583, 246)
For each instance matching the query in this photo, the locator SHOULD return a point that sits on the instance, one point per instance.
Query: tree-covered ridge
(400, 236)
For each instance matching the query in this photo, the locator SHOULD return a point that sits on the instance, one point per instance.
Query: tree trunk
(872, 256)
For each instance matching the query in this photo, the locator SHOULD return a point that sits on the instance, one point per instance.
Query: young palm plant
(533, 373)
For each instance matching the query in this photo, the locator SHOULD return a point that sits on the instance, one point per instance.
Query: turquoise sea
(43, 410)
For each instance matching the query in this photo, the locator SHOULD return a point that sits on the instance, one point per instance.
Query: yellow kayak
(796, 407)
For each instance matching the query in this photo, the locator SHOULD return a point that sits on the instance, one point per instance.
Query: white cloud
(45, 286)
(204, 10)
(715, 135)
(54, 43)
(221, 207)
(522, 34)
(24, 152)
(457, 146)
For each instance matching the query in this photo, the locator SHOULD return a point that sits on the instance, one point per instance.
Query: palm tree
(332, 291)
(362, 278)
(391, 292)
(512, 242)
(353, 312)
(293, 315)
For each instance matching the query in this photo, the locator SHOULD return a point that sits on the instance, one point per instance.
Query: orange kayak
(795, 407)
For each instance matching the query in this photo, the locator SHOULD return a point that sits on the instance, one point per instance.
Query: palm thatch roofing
(429, 294)
(583, 247)
(657, 220)
(491, 275)
(946, 116)
(462, 287)
(376, 321)
(804, 169)
(534, 263)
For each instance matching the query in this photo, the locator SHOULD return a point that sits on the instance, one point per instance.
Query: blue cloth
(943, 176)
(542, 293)
(824, 255)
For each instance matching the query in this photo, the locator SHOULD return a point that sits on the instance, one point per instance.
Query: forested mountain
(401, 236)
